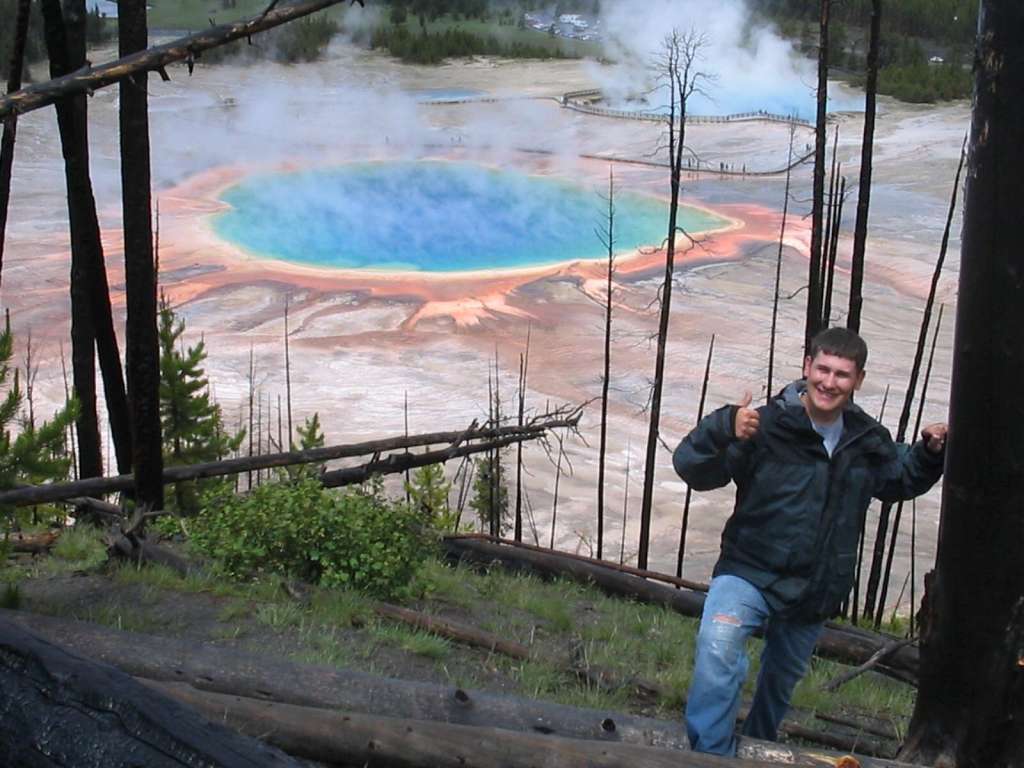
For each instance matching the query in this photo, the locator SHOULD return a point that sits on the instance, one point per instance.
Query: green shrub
(350, 538)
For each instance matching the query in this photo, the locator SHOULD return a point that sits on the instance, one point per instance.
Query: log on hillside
(453, 630)
(97, 486)
(847, 645)
(221, 670)
(385, 742)
(57, 709)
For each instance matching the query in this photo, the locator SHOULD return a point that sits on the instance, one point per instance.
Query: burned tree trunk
(679, 69)
(91, 315)
(11, 124)
(142, 350)
(970, 707)
(65, 45)
(61, 710)
(860, 228)
(813, 322)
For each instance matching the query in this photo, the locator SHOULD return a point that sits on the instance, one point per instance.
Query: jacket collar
(855, 421)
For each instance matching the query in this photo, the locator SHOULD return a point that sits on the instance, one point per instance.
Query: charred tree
(608, 238)
(778, 267)
(970, 707)
(813, 322)
(679, 70)
(65, 45)
(684, 526)
(860, 227)
(142, 347)
(11, 124)
(92, 317)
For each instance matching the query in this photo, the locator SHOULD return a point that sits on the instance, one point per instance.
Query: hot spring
(435, 217)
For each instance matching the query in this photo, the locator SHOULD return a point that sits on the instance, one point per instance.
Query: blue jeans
(733, 610)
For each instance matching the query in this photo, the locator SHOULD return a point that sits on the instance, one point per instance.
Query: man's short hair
(841, 342)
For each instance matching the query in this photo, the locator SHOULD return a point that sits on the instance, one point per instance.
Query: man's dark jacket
(798, 515)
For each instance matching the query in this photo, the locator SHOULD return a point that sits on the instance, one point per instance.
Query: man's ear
(807, 367)
(859, 381)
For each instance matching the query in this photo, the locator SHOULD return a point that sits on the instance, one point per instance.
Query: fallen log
(219, 670)
(847, 645)
(57, 709)
(697, 586)
(385, 742)
(33, 543)
(98, 486)
(461, 633)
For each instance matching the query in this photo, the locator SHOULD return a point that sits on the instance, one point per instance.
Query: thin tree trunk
(524, 363)
(681, 58)
(970, 707)
(288, 379)
(606, 376)
(625, 507)
(554, 503)
(689, 491)
(142, 349)
(11, 124)
(778, 269)
(830, 210)
(833, 253)
(860, 227)
(899, 506)
(913, 508)
(813, 321)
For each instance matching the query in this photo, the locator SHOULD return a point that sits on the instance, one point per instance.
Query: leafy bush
(350, 538)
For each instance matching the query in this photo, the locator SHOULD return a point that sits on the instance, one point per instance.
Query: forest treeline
(946, 27)
(947, 22)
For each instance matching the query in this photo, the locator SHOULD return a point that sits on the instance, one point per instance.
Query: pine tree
(193, 428)
(490, 495)
(36, 454)
(428, 494)
(310, 436)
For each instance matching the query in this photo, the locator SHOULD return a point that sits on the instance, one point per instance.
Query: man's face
(830, 382)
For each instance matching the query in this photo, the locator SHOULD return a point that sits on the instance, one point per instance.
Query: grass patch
(340, 607)
(280, 615)
(413, 641)
(81, 546)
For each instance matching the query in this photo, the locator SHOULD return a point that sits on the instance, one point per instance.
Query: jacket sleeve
(701, 458)
(910, 471)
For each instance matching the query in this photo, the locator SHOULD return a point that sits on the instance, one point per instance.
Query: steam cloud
(753, 68)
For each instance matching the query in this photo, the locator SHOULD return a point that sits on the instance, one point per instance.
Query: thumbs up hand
(747, 420)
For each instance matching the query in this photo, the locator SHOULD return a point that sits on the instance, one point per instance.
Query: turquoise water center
(435, 217)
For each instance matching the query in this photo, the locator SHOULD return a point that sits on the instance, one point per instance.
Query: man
(806, 467)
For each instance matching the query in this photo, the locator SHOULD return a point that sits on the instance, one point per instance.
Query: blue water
(434, 217)
(445, 94)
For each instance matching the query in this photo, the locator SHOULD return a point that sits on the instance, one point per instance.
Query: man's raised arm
(700, 459)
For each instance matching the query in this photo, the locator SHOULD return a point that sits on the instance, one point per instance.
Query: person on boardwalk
(806, 466)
